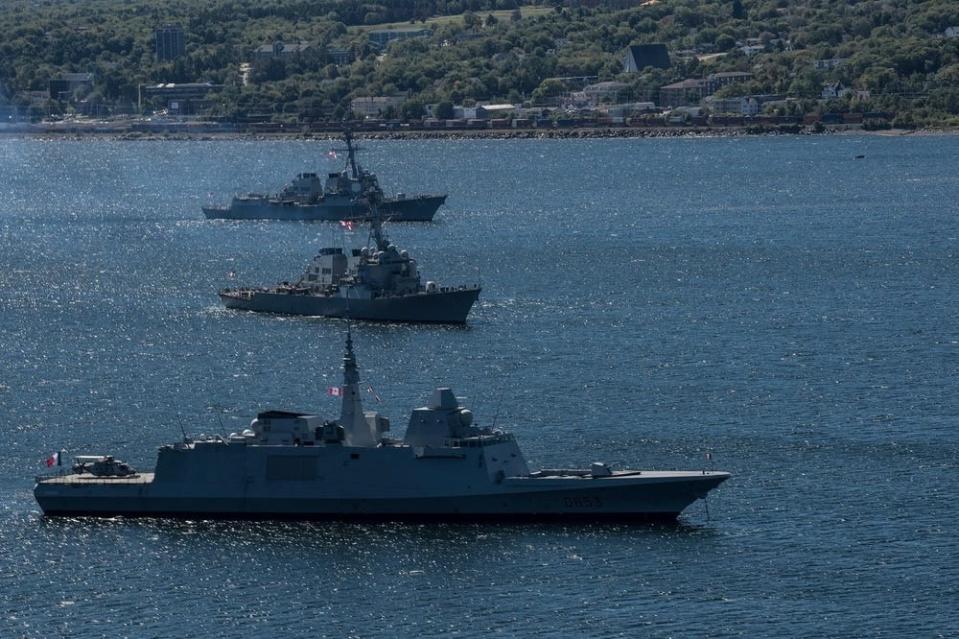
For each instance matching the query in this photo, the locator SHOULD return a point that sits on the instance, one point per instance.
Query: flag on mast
(335, 391)
(53, 460)
(347, 224)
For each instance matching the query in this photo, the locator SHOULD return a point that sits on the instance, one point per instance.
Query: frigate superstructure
(378, 282)
(291, 464)
(308, 198)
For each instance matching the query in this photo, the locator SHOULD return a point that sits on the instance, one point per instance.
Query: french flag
(335, 391)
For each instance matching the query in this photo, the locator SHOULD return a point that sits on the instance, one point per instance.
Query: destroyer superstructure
(340, 197)
(378, 282)
(291, 464)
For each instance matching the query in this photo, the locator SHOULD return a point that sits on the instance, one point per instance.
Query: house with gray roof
(640, 56)
(280, 50)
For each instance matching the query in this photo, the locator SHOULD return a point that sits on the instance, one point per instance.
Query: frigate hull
(298, 465)
(446, 306)
(419, 208)
(612, 498)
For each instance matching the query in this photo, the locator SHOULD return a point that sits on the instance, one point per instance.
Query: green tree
(443, 110)
(879, 79)
(548, 88)
(739, 12)
(725, 42)
(412, 110)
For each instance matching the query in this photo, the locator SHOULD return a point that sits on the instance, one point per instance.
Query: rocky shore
(471, 134)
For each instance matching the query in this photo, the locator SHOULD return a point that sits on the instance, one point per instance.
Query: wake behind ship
(290, 464)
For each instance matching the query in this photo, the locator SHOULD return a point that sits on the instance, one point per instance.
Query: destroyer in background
(341, 198)
(299, 465)
(377, 282)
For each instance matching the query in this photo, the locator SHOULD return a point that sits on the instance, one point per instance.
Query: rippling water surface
(775, 300)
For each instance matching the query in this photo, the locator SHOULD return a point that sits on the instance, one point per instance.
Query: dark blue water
(774, 300)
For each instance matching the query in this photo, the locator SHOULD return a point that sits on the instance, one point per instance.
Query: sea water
(778, 302)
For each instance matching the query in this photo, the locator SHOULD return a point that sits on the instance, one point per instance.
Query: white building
(609, 92)
(375, 106)
(280, 50)
(494, 111)
(830, 63)
(832, 90)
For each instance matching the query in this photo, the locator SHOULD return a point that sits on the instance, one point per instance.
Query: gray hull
(449, 306)
(420, 208)
(613, 498)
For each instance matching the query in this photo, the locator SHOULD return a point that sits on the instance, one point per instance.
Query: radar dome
(466, 417)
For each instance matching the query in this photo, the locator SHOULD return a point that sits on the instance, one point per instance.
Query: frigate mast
(352, 419)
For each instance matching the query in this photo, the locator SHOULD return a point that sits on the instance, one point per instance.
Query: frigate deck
(93, 480)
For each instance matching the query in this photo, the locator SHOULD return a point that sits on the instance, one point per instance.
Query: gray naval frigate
(307, 198)
(299, 465)
(378, 282)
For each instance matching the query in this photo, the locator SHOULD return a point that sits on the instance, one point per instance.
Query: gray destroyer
(308, 198)
(298, 465)
(378, 283)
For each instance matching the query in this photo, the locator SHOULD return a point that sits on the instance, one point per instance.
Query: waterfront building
(280, 50)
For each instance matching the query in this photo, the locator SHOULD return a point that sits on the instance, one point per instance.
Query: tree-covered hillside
(891, 55)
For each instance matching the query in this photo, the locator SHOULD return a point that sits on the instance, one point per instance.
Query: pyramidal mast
(356, 429)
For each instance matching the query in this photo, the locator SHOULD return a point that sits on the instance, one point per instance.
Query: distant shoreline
(476, 134)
